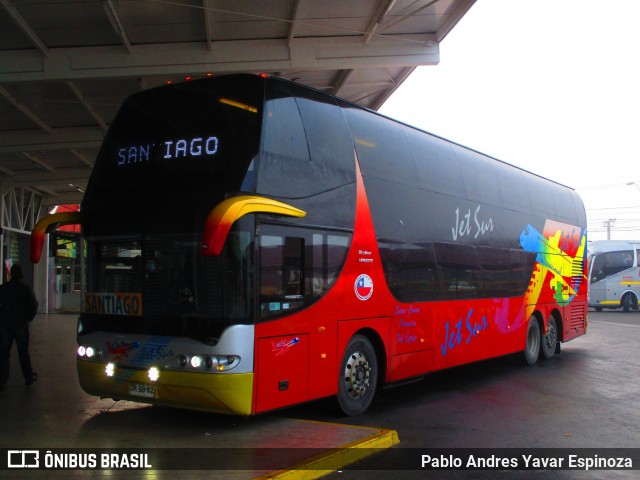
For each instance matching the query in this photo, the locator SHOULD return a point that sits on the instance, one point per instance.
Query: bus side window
(282, 274)
(609, 263)
(297, 266)
(460, 270)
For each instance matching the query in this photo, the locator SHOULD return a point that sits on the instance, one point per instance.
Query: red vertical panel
(282, 373)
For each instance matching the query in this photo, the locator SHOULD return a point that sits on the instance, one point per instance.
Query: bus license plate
(141, 390)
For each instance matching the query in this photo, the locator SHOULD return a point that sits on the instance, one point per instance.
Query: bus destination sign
(195, 147)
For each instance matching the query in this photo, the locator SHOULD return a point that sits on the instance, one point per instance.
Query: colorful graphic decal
(363, 287)
(121, 349)
(560, 260)
(154, 350)
(283, 346)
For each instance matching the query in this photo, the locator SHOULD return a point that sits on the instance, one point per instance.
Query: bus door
(296, 335)
(282, 343)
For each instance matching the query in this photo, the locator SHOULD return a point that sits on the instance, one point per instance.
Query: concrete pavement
(54, 413)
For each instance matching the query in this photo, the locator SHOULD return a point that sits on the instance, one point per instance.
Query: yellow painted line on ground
(335, 459)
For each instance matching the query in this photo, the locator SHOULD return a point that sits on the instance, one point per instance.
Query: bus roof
(600, 246)
(355, 105)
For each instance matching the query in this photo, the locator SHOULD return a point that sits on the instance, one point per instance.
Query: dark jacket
(18, 304)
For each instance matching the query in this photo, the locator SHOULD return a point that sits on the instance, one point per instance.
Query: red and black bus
(251, 243)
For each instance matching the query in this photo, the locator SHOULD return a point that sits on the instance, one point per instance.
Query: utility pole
(608, 224)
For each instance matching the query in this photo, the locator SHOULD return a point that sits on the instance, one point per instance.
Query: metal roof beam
(206, 5)
(454, 17)
(114, 19)
(387, 92)
(41, 163)
(342, 79)
(402, 18)
(294, 19)
(68, 198)
(82, 157)
(87, 105)
(229, 56)
(61, 139)
(25, 27)
(24, 109)
(384, 6)
(7, 171)
(60, 178)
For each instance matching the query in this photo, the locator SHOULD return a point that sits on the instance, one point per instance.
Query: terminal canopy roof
(67, 65)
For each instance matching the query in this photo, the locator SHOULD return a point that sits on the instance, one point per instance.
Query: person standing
(18, 306)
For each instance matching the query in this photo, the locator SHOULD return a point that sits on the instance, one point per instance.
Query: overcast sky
(552, 86)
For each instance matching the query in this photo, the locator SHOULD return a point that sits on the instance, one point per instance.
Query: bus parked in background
(614, 274)
(252, 244)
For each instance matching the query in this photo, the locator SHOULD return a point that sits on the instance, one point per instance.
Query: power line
(611, 185)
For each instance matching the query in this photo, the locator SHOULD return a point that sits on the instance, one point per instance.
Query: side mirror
(226, 213)
(48, 224)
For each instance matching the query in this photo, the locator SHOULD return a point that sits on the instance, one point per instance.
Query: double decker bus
(614, 274)
(252, 244)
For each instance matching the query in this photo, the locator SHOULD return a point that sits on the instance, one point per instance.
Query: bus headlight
(196, 361)
(87, 351)
(110, 369)
(218, 363)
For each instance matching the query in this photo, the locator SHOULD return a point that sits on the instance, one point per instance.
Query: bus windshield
(606, 264)
(160, 284)
(171, 155)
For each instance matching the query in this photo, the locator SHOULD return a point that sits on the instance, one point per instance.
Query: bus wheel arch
(532, 339)
(360, 372)
(551, 336)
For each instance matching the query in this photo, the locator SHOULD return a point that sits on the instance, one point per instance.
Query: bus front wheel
(358, 376)
(532, 347)
(549, 340)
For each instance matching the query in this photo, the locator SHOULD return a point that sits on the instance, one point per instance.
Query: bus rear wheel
(358, 376)
(626, 302)
(549, 340)
(532, 347)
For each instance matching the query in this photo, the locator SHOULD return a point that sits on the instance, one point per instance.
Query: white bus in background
(614, 275)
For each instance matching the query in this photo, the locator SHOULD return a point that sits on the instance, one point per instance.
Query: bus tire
(626, 302)
(358, 376)
(532, 345)
(549, 340)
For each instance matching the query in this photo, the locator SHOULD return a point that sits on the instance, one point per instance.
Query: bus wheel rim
(357, 373)
(552, 335)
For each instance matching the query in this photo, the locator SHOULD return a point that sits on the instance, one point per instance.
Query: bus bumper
(227, 393)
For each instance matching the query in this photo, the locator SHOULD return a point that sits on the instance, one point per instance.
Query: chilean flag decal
(363, 287)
